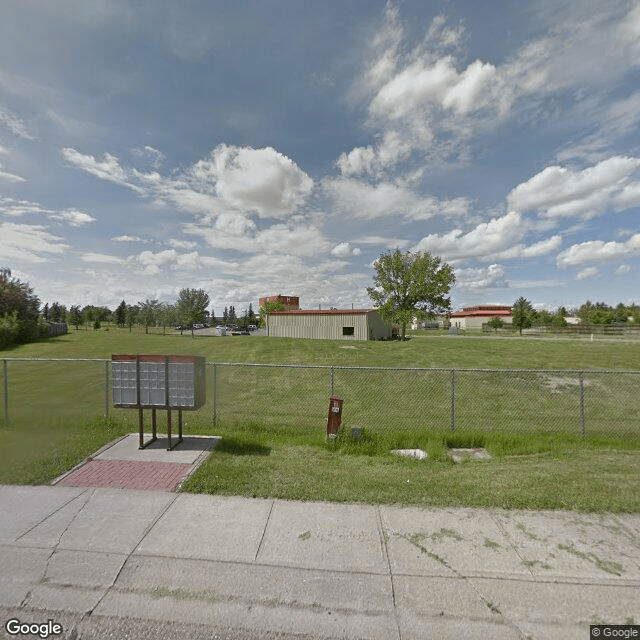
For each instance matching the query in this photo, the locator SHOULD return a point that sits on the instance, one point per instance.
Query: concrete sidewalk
(119, 563)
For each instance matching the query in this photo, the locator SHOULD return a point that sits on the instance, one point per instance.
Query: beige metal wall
(475, 322)
(327, 327)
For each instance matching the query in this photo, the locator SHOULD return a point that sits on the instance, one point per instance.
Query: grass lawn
(541, 472)
(56, 410)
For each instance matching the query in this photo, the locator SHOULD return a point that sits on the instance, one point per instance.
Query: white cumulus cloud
(485, 239)
(560, 192)
(598, 251)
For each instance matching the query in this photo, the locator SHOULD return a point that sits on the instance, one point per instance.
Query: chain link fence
(589, 403)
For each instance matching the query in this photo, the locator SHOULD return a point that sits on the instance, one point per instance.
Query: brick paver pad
(128, 474)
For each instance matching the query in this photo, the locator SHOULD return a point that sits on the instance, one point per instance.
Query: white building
(334, 324)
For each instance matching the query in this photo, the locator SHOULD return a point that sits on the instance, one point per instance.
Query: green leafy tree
(148, 313)
(21, 308)
(267, 308)
(408, 282)
(192, 306)
(57, 312)
(167, 315)
(496, 323)
(522, 314)
(75, 316)
(558, 319)
(251, 316)
(132, 315)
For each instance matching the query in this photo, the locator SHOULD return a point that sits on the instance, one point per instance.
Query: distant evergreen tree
(121, 314)
(522, 314)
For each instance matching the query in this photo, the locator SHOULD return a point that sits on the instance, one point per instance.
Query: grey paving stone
(114, 520)
(24, 507)
(529, 604)
(87, 569)
(209, 527)
(564, 544)
(447, 542)
(213, 581)
(325, 536)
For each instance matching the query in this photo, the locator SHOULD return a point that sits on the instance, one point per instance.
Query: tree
(557, 320)
(121, 314)
(57, 312)
(167, 315)
(522, 314)
(268, 307)
(408, 282)
(75, 316)
(192, 306)
(148, 313)
(132, 315)
(496, 323)
(251, 316)
(20, 308)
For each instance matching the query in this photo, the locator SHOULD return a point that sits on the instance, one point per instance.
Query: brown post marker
(140, 428)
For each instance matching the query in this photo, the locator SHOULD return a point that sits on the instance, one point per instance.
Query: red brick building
(291, 303)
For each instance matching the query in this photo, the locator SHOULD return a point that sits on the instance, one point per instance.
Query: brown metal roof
(322, 312)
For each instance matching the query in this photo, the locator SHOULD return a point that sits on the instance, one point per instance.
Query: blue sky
(254, 148)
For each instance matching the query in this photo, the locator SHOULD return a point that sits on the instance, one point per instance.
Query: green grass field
(273, 419)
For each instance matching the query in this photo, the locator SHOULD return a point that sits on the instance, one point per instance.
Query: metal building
(334, 324)
(474, 317)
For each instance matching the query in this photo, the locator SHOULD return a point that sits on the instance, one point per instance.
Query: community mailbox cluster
(158, 382)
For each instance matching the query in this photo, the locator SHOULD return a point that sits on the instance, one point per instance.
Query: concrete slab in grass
(27, 506)
(571, 545)
(255, 584)
(410, 453)
(188, 451)
(447, 542)
(209, 527)
(463, 454)
(528, 603)
(114, 520)
(324, 536)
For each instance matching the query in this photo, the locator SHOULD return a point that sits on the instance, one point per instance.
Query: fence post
(106, 389)
(6, 392)
(453, 399)
(582, 424)
(215, 396)
(331, 381)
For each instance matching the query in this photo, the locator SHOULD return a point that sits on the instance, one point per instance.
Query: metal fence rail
(584, 402)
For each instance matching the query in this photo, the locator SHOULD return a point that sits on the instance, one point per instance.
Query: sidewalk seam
(385, 550)
(264, 531)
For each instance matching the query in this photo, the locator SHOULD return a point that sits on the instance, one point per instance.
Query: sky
(255, 148)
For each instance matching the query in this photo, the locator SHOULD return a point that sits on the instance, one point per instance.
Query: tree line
(23, 318)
